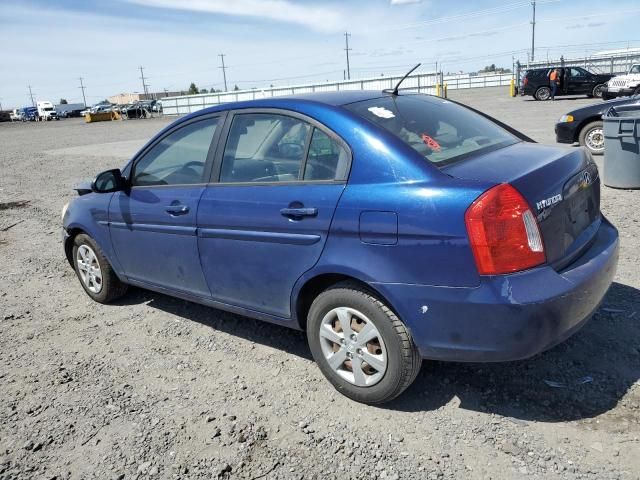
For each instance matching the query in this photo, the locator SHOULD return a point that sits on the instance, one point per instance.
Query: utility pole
(346, 49)
(81, 87)
(224, 70)
(533, 31)
(33, 104)
(144, 84)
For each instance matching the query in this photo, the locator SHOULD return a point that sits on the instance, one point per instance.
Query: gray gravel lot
(153, 387)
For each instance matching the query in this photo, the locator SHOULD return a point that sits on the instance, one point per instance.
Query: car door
(579, 81)
(265, 221)
(153, 223)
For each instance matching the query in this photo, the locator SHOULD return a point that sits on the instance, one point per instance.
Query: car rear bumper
(565, 132)
(508, 317)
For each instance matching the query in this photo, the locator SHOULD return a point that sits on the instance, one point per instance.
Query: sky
(49, 44)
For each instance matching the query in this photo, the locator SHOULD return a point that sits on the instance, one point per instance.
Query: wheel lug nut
(353, 336)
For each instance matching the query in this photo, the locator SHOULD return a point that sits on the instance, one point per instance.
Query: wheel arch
(583, 123)
(72, 233)
(310, 285)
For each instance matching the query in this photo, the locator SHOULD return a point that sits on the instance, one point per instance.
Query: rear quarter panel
(431, 247)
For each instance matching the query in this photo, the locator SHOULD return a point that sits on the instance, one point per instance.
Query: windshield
(441, 131)
(635, 69)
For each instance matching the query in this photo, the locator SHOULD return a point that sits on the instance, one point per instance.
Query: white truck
(624, 85)
(46, 112)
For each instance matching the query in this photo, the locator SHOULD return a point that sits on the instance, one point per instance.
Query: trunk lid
(561, 185)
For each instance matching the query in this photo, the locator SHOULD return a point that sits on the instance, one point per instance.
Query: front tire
(94, 271)
(360, 345)
(543, 93)
(592, 137)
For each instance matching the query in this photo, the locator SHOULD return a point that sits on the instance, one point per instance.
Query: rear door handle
(299, 212)
(176, 210)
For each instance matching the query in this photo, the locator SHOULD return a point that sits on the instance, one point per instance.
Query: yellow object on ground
(512, 88)
(102, 117)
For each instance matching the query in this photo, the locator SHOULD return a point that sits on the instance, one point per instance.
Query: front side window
(441, 131)
(179, 158)
(264, 147)
(635, 69)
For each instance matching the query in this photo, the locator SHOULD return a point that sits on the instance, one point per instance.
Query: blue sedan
(391, 228)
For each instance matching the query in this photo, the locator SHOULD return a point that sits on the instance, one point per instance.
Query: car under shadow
(583, 377)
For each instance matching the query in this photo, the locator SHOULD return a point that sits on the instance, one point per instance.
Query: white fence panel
(424, 83)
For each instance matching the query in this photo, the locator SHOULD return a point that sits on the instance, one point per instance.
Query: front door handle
(176, 210)
(299, 212)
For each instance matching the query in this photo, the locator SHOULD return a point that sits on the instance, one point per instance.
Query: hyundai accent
(390, 227)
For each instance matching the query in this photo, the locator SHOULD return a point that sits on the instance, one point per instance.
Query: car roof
(327, 99)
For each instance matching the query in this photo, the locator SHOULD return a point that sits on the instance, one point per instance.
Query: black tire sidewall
(342, 297)
(105, 268)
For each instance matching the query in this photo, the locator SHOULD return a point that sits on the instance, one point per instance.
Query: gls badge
(542, 204)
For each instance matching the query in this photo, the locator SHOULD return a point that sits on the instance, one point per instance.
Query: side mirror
(109, 181)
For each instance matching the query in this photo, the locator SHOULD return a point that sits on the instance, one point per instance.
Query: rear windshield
(441, 131)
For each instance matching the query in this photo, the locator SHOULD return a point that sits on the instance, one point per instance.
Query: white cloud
(319, 18)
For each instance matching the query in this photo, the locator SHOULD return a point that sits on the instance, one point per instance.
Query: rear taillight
(503, 232)
(525, 82)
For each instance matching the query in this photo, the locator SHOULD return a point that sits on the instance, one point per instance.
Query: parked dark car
(390, 228)
(573, 81)
(584, 125)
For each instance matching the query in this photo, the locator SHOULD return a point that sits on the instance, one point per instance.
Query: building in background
(124, 98)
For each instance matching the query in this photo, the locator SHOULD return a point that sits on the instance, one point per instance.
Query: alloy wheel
(89, 268)
(353, 346)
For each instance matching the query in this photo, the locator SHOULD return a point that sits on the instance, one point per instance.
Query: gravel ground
(153, 387)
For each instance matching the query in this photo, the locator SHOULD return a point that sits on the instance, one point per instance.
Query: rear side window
(327, 160)
(441, 131)
(269, 147)
(264, 147)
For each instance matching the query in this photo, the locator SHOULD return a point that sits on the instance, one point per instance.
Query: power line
(465, 16)
(224, 71)
(81, 87)
(33, 104)
(346, 49)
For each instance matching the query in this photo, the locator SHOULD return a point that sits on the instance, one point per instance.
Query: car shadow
(562, 99)
(582, 377)
(264, 333)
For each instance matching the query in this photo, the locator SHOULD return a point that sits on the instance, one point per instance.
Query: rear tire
(543, 93)
(94, 271)
(592, 137)
(598, 90)
(374, 333)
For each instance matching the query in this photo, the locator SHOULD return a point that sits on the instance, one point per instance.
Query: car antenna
(395, 90)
